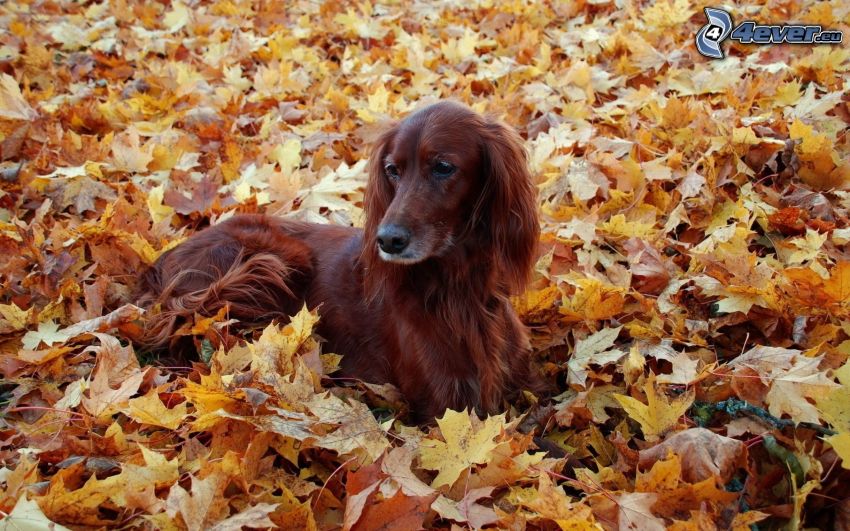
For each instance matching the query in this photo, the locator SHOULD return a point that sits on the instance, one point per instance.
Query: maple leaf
(120, 316)
(628, 510)
(552, 503)
(593, 300)
(467, 441)
(840, 442)
(80, 192)
(157, 209)
(398, 511)
(594, 349)
(273, 353)
(835, 406)
(675, 497)
(255, 516)
(47, 333)
(666, 207)
(201, 197)
(102, 400)
(27, 516)
(467, 510)
(704, 454)
(357, 432)
(128, 153)
(177, 17)
(659, 415)
(684, 369)
(200, 506)
(328, 192)
(288, 155)
(13, 318)
(81, 505)
(13, 106)
(792, 378)
(149, 409)
(139, 482)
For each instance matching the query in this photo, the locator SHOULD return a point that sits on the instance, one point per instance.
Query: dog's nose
(393, 239)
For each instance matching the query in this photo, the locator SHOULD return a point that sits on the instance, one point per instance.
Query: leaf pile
(692, 302)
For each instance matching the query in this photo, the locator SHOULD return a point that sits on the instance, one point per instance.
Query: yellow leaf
(273, 353)
(802, 249)
(142, 247)
(745, 521)
(468, 441)
(178, 17)
(619, 226)
(157, 210)
(659, 415)
(788, 93)
(12, 318)
(48, 333)
(838, 283)
(361, 24)
(27, 516)
(536, 303)
(835, 408)
(667, 14)
(811, 142)
(593, 300)
(664, 475)
(550, 502)
(740, 302)
(745, 135)
(149, 409)
(457, 50)
(288, 155)
(208, 398)
(841, 444)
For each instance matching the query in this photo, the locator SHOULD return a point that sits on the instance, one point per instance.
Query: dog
(419, 297)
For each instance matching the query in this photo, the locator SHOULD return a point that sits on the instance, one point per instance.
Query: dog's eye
(392, 171)
(443, 169)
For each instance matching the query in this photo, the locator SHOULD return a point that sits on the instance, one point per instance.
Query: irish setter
(419, 297)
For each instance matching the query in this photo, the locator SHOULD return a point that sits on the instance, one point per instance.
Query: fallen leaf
(659, 415)
(468, 441)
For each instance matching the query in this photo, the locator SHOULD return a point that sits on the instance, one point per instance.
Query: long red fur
(441, 329)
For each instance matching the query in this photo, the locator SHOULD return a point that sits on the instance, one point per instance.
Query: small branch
(736, 407)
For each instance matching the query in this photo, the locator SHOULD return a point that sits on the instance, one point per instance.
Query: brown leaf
(398, 512)
(201, 197)
(202, 505)
(704, 455)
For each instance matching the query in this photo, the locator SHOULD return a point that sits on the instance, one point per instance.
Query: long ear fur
(513, 224)
(379, 195)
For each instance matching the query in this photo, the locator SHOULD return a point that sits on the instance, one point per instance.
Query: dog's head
(446, 178)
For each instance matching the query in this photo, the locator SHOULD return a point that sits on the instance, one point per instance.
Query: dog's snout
(393, 239)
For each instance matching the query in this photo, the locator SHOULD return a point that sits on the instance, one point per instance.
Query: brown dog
(419, 298)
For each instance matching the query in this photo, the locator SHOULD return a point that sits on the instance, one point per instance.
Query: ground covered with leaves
(690, 302)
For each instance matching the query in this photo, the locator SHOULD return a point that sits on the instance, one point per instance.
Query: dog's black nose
(393, 239)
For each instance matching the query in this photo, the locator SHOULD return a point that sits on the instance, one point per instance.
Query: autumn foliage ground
(690, 301)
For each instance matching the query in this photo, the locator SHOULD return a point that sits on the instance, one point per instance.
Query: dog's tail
(245, 264)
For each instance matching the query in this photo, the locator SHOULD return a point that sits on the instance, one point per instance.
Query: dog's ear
(379, 192)
(511, 215)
